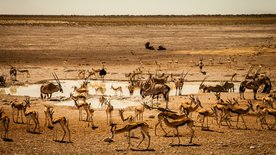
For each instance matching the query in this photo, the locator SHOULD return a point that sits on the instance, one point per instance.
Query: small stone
(252, 147)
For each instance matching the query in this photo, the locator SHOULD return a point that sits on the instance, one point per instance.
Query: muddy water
(119, 100)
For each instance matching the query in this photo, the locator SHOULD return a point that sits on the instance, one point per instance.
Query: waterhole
(119, 100)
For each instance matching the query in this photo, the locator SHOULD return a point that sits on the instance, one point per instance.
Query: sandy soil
(65, 50)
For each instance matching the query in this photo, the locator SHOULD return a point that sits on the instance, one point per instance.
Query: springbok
(64, 123)
(5, 122)
(19, 107)
(144, 127)
(179, 83)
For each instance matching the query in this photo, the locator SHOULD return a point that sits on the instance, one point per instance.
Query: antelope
(205, 113)
(47, 110)
(81, 105)
(102, 101)
(169, 64)
(5, 122)
(211, 61)
(144, 127)
(81, 74)
(31, 115)
(208, 89)
(19, 107)
(268, 101)
(24, 71)
(250, 74)
(272, 112)
(139, 113)
(189, 109)
(220, 104)
(13, 73)
(90, 118)
(160, 80)
(179, 83)
(131, 88)
(149, 88)
(223, 107)
(108, 111)
(176, 63)
(254, 84)
(90, 73)
(116, 89)
(186, 103)
(180, 122)
(233, 77)
(241, 112)
(200, 63)
(132, 76)
(102, 90)
(83, 88)
(228, 86)
(64, 123)
(158, 65)
(50, 88)
(125, 119)
(2, 80)
(169, 114)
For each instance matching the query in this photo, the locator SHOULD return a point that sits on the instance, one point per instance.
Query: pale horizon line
(241, 14)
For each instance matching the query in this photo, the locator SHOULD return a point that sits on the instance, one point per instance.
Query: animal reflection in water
(13, 89)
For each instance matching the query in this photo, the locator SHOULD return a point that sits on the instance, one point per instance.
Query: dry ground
(66, 49)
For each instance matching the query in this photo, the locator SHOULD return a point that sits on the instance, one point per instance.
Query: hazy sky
(137, 7)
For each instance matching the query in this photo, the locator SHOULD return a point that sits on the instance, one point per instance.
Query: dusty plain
(64, 46)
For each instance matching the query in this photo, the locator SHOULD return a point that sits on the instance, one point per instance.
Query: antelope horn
(186, 74)
(258, 70)
(203, 80)
(197, 99)
(192, 97)
(229, 100)
(249, 70)
(56, 77)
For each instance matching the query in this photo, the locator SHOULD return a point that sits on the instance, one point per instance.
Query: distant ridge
(105, 20)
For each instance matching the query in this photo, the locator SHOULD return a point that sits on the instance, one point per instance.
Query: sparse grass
(136, 20)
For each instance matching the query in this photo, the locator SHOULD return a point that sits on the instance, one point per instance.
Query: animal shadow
(94, 127)
(210, 130)
(60, 141)
(143, 150)
(138, 150)
(173, 136)
(34, 132)
(7, 140)
(185, 145)
(50, 127)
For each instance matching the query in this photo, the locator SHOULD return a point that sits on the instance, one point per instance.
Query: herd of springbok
(155, 86)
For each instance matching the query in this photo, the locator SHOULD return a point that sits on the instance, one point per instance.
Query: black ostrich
(148, 46)
(160, 48)
(102, 73)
